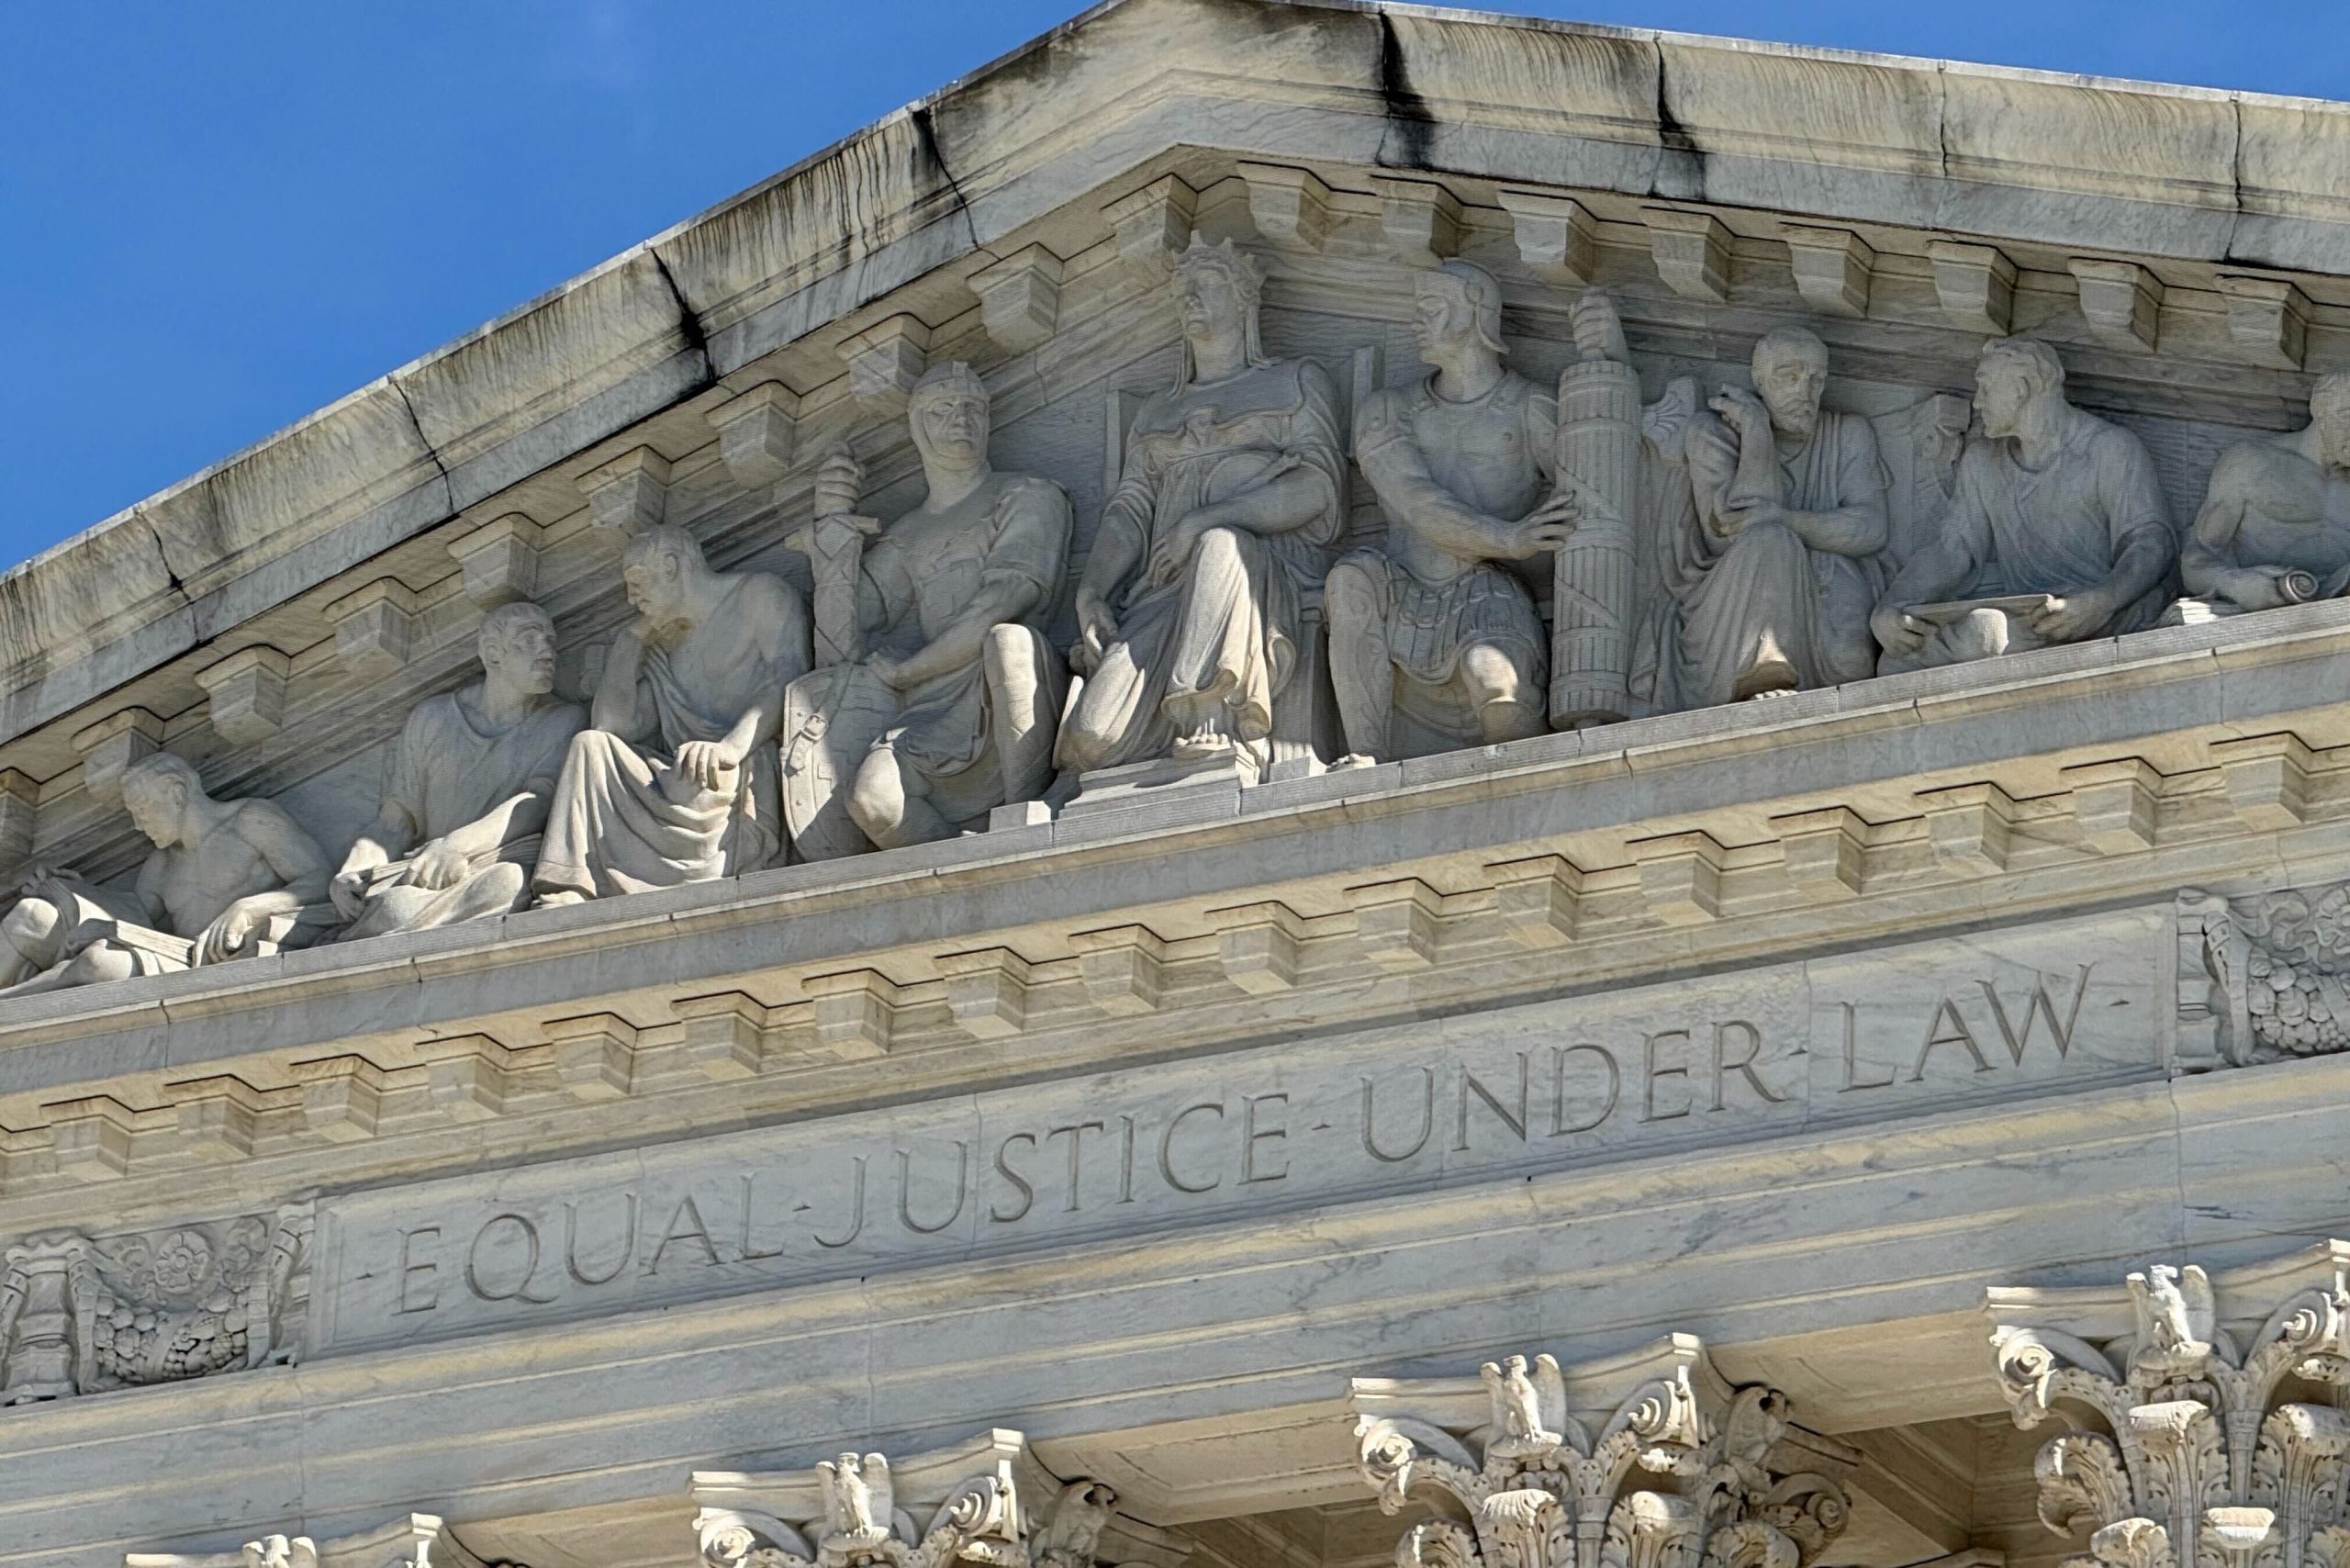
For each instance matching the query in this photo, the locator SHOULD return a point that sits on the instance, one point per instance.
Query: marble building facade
(1304, 784)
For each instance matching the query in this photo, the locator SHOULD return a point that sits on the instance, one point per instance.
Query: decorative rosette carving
(2204, 1458)
(78, 1315)
(1668, 1478)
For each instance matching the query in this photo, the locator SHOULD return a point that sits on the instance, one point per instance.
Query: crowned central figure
(1232, 494)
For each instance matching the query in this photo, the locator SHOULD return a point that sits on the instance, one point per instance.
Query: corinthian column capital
(962, 1503)
(1648, 1461)
(2201, 1408)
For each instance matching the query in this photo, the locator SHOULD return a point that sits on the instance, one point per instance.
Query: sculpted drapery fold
(1233, 491)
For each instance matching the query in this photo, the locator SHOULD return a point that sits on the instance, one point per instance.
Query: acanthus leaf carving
(409, 1541)
(2206, 1459)
(1682, 1473)
(861, 1511)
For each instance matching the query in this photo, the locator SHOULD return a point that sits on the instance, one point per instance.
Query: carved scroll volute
(853, 1511)
(1539, 1491)
(734, 1538)
(980, 1523)
(2201, 1464)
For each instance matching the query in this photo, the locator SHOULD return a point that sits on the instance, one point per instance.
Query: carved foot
(561, 898)
(1206, 746)
(1355, 759)
(1773, 675)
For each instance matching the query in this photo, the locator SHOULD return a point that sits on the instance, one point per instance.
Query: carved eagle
(1070, 1536)
(278, 1552)
(2177, 1315)
(859, 1501)
(1528, 1406)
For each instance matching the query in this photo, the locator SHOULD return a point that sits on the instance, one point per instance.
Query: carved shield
(831, 718)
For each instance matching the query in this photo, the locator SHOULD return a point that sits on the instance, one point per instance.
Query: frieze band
(1706, 547)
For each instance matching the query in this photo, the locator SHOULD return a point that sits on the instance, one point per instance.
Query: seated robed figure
(2275, 525)
(947, 708)
(1773, 572)
(226, 879)
(466, 795)
(2057, 533)
(1189, 609)
(1434, 642)
(676, 782)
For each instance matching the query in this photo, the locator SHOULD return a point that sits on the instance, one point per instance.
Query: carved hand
(1897, 629)
(709, 765)
(1740, 519)
(436, 866)
(1548, 526)
(1742, 412)
(345, 890)
(2073, 617)
(1097, 628)
(229, 933)
(1598, 331)
(889, 672)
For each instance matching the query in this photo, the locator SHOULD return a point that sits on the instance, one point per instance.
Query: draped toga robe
(1747, 607)
(2056, 530)
(1223, 630)
(946, 727)
(623, 820)
(448, 771)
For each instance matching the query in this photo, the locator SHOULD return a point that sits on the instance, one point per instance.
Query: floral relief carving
(2196, 1438)
(410, 1541)
(2278, 967)
(959, 1505)
(81, 1315)
(1673, 1472)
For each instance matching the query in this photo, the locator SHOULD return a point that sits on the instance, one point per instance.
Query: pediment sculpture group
(1701, 550)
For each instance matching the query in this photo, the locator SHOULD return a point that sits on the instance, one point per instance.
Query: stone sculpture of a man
(466, 795)
(1233, 491)
(2057, 533)
(676, 782)
(235, 877)
(1775, 575)
(2275, 526)
(1433, 646)
(962, 694)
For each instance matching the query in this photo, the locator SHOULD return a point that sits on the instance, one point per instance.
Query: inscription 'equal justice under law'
(1180, 1154)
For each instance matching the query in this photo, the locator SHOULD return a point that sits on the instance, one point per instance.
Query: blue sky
(215, 218)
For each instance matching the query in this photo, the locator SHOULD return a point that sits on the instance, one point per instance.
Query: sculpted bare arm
(784, 651)
(149, 889)
(2208, 563)
(621, 706)
(292, 855)
(1409, 494)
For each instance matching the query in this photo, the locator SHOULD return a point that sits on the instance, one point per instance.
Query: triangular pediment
(1189, 1123)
